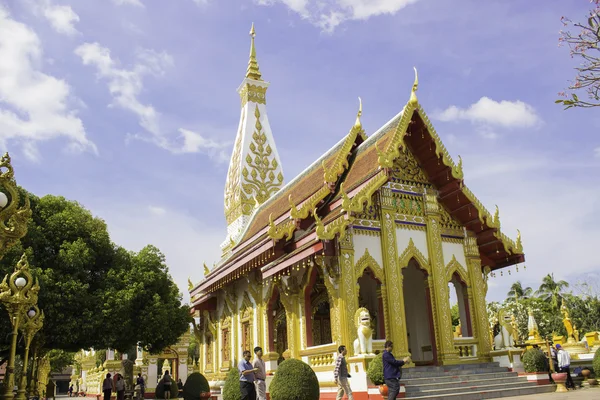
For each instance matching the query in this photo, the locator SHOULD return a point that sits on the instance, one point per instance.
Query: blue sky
(130, 108)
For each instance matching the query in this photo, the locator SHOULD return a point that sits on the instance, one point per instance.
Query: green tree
(552, 290)
(93, 292)
(517, 291)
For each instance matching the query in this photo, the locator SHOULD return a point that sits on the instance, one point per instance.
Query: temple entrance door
(277, 326)
(417, 306)
(369, 296)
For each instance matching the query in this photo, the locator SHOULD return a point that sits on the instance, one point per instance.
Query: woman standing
(108, 387)
(120, 386)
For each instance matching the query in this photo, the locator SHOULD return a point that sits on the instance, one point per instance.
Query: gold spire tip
(358, 123)
(416, 83)
(413, 94)
(253, 72)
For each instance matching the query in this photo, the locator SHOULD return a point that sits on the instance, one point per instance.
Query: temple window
(459, 301)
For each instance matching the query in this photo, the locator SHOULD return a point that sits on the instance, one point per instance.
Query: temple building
(381, 221)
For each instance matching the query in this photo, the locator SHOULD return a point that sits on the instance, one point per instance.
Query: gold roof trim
(341, 160)
(338, 225)
(253, 72)
(364, 195)
(277, 232)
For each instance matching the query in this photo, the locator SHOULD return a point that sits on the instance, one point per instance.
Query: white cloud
(186, 251)
(157, 210)
(62, 18)
(597, 152)
(328, 14)
(34, 106)
(126, 85)
(507, 114)
(136, 3)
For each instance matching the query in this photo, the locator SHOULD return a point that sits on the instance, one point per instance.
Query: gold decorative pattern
(448, 222)
(253, 72)
(411, 252)
(349, 294)
(233, 194)
(13, 219)
(309, 204)
(367, 261)
(261, 181)
(253, 93)
(406, 168)
(386, 157)
(340, 163)
(364, 195)
(337, 226)
(454, 266)
(407, 204)
(277, 232)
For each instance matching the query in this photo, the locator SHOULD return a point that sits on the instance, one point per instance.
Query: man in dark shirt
(391, 370)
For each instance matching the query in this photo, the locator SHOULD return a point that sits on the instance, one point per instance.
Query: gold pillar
(348, 290)
(291, 295)
(439, 292)
(331, 276)
(479, 312)
(396, 327)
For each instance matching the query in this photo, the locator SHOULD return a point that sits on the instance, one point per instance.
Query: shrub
(375, 370)
(534, 361)
(159, 393)
(596, 364)
(231, 390)
(294, 380)
(195, 384)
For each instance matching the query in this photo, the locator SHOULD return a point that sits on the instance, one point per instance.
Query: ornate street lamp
(13, 220)
(34, 321)
(18, 293)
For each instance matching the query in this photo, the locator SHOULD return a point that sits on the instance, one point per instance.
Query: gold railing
(321, 358)
(466, 347)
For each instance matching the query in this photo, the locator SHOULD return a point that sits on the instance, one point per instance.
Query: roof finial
(358, 123)
(252, 72)
(413, 94)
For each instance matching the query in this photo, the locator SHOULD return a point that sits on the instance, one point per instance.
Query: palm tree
(517, 291)
(552, 290)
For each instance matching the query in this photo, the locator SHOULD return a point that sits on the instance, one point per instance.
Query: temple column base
(509, 358)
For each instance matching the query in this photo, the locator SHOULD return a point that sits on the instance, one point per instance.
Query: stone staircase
(467, 382)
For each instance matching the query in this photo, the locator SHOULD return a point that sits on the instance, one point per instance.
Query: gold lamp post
(34, 321)
(13, 219)
(18, 293)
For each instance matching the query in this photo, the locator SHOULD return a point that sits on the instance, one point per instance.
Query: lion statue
(506, 337)
(364, 343)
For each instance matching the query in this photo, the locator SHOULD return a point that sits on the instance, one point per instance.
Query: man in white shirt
(260, 375)
(564, 363)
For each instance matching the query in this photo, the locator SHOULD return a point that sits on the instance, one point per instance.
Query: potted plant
(294, 380)
(535, 364)
(196, 387)
(231, 390)
(375, 374)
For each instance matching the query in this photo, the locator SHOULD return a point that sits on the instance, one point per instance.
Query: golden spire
(358, 123)
(413, 93)
(252, 72)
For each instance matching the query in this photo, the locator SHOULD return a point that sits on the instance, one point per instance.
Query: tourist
(120, 387)
(247, 372)
(260, 375)
(564, 363)
(341, 375)
(108, 386)
(71, 390)
(140, 385)
(392, 371)
(167, 384)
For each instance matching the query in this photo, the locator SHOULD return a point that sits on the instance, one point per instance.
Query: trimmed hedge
(375, 370)
(294, 380)
(195, 384)
(231, 390)
(534, 361)
(596, 363)
(159, 393)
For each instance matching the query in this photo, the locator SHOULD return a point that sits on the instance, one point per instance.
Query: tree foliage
(552, 290)
(517, 291)
(93, 292)
(294, 380)
(231, 389)
(584, 45)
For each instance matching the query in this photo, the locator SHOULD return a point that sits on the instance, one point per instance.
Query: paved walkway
(579, 394)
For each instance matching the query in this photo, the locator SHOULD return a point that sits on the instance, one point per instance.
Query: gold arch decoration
(411, 252)
(367, 261)
(454, 266)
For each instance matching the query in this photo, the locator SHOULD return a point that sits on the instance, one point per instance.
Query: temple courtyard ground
(580, 394)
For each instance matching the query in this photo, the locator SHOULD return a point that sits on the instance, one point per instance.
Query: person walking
(392, 371)
(341, 375)
(260, 375)
(120, 387)
(167, 384)
(564, 363)
(139, 382)
(247, 372)
(108, 387)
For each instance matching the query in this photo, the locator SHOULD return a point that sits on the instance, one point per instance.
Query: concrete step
(457, 378)
(446, 368)
(453, 385)
(411, 374)
(486, 394)
(482, 387)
